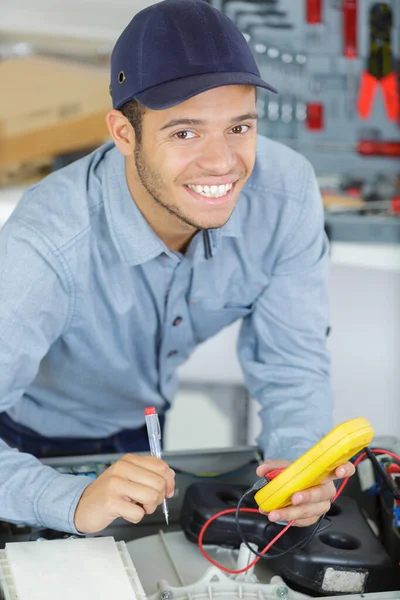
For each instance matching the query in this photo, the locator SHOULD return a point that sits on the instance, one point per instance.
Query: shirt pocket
(210, 315)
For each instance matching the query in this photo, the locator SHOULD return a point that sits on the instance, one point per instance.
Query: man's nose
(217, 156)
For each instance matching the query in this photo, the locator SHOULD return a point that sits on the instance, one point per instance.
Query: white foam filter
(82, 569)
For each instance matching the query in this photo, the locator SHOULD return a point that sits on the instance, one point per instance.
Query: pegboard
(316, 109)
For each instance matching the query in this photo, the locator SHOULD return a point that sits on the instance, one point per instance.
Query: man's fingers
(127, 510)
(341, 472)
(137, 474)
(346, 470)
(319, 493)
(147, 470)
(130, 488)
(304, 511)
(308, 504)
(150, 463)
(271, 465)
(306, 522)
(136, 492)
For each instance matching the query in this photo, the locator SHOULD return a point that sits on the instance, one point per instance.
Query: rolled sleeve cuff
(56, 501)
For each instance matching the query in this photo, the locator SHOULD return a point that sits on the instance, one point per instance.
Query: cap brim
(174, 92)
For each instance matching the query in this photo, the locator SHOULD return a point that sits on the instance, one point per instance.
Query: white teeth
(211, 191)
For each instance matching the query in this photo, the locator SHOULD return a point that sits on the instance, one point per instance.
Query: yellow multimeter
(336, 448)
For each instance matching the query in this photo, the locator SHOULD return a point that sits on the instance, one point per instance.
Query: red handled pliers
(380, 71)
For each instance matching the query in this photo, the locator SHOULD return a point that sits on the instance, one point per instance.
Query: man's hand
(308, 505)
(130, 488)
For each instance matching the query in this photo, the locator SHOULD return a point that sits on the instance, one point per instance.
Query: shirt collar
(134, 239)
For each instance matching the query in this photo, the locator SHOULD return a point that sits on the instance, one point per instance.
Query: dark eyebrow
(246, 117)
(179, 122)
(176, 122)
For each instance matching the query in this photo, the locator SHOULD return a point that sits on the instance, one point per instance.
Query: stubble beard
(153, 183)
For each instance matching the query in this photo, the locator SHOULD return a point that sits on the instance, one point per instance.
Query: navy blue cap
(176, 49)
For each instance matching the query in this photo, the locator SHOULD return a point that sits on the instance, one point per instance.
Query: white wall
(201, 418)
(87, 19)
(365, 348)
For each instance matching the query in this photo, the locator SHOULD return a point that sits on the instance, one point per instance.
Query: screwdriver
(349, 24)
(377, 148)
(313, 12)
(384, 149)
(387, 149)
(349, 9)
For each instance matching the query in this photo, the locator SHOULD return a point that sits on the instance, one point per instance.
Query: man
(113, 269)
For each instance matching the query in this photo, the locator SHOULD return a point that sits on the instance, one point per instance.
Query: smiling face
(193, 160)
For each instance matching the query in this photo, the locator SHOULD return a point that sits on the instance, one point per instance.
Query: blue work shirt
(89, 300)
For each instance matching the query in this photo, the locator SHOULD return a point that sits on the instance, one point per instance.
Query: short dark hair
(134, 111)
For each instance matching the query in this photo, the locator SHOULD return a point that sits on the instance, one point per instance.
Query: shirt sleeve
(282, 343)
(36, 304)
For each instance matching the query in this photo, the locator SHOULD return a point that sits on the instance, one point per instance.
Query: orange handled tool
(380, 70)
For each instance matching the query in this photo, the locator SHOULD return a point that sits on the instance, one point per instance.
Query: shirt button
(172, 352)
(176, 321)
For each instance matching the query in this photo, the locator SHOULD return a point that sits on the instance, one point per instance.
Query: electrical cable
(395, 457)
(380, 471)
(361, 457)
(260, 483)
(249, 566)
(296, 546)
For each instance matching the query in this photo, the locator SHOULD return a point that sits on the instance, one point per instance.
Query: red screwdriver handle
(349, 16)
(313, 12)
(376, 148)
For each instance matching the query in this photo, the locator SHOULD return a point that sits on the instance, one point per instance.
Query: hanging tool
(313, 12)
(245, 19)
(313, 18)
(349, 25)
(390, 207)
(349, 10)
(390, 149)
(385, 149)
(315, 116)
(364, 147)
(232, 8)
(380, 65)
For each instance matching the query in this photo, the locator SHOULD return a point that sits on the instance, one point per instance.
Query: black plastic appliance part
(345, 547)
